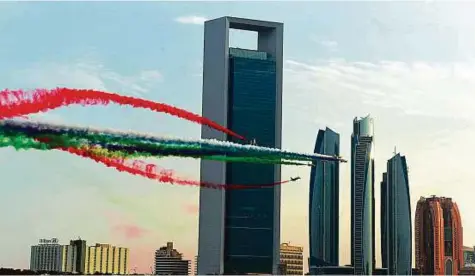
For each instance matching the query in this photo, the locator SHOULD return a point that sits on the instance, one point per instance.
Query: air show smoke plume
(15, 103)
(120, 150)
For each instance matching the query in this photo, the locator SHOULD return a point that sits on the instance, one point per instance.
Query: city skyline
(403, 88)
(78, 257)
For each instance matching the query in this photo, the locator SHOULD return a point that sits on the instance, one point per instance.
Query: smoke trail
(165, 176)
(137, 167)
(142, 140)
(48, 142)
(14, 103)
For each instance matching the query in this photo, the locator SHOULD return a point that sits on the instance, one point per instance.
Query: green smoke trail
(149, 143)
(146, 146)
(20, 141)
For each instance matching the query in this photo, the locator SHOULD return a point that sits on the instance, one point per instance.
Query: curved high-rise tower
(396, 230)
(439, 236)
(324, 203)
(362, 196)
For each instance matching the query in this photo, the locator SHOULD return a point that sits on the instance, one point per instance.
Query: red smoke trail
(14, 103)
(150, 171)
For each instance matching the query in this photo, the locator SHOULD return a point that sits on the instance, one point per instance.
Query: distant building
(467, 271)
(80, 248)
(47, 256)
(168, 261)
(68, 259)
(396, 229)
(362, 196)
(324, 203)
(105, 258)
(282, 269)
(195, 272)
(469, 256)
(291, 257)
(438, 236)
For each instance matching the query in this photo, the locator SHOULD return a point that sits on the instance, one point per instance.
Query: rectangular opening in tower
(243, 39)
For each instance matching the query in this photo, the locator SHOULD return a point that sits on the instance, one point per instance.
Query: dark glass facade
(384, 222)
(396, 226)
(80, 247)
(249, 222)
(324, 203)
(362, 197)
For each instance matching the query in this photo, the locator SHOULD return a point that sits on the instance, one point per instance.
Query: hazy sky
(410, 65)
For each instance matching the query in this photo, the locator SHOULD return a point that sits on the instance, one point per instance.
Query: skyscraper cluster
(324, 200)
(239, 230)
(438, 228)
(79, 258)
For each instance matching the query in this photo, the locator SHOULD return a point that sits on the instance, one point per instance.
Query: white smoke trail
(164, 139)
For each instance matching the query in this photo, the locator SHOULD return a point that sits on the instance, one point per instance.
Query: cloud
(87, 74)
(328, 44)
(434, 90)
(191, 19)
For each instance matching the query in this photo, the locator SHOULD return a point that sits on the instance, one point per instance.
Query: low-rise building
(291, 257)
(168, 261)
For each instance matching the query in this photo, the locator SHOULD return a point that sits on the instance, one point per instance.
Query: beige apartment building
(105, 258)
(291, 259)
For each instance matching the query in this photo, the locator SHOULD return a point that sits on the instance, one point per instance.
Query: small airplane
(295, 178)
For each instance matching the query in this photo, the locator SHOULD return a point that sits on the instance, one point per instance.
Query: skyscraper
(168, 261)
(396, 229)
(439, 236)
(239, 230)
(362, 196)
(324, 203)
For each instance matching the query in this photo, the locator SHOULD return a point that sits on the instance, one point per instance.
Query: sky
(411, 65)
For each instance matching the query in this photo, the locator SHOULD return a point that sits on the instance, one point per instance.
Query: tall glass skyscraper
(239, 231)
(362, 196)
(396, 227)
(324, 203)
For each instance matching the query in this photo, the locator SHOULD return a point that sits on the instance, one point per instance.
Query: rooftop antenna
(395, 152)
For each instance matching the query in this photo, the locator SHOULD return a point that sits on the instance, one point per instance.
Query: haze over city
(410, 65)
